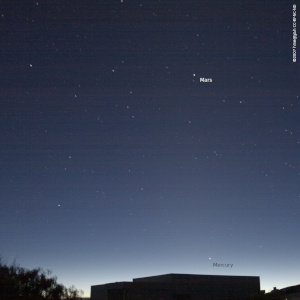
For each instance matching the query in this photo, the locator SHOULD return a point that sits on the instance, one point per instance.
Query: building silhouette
(289, 293)
(179, 287)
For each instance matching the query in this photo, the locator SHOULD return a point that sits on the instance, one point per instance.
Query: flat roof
(178, 276)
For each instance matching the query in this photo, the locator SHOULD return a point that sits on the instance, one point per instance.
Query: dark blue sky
(117, 162)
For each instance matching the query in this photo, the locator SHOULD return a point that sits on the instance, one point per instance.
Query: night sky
(116, 162)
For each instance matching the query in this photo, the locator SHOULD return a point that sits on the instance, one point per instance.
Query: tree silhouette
(19, 283)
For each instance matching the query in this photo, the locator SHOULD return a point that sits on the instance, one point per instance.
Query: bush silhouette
(19, 283)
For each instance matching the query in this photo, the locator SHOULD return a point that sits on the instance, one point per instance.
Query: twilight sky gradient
(117, 162)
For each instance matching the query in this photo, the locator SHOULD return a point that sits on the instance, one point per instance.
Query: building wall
(179, 287)
(295, 296)
(209, 286)
(101, 292)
